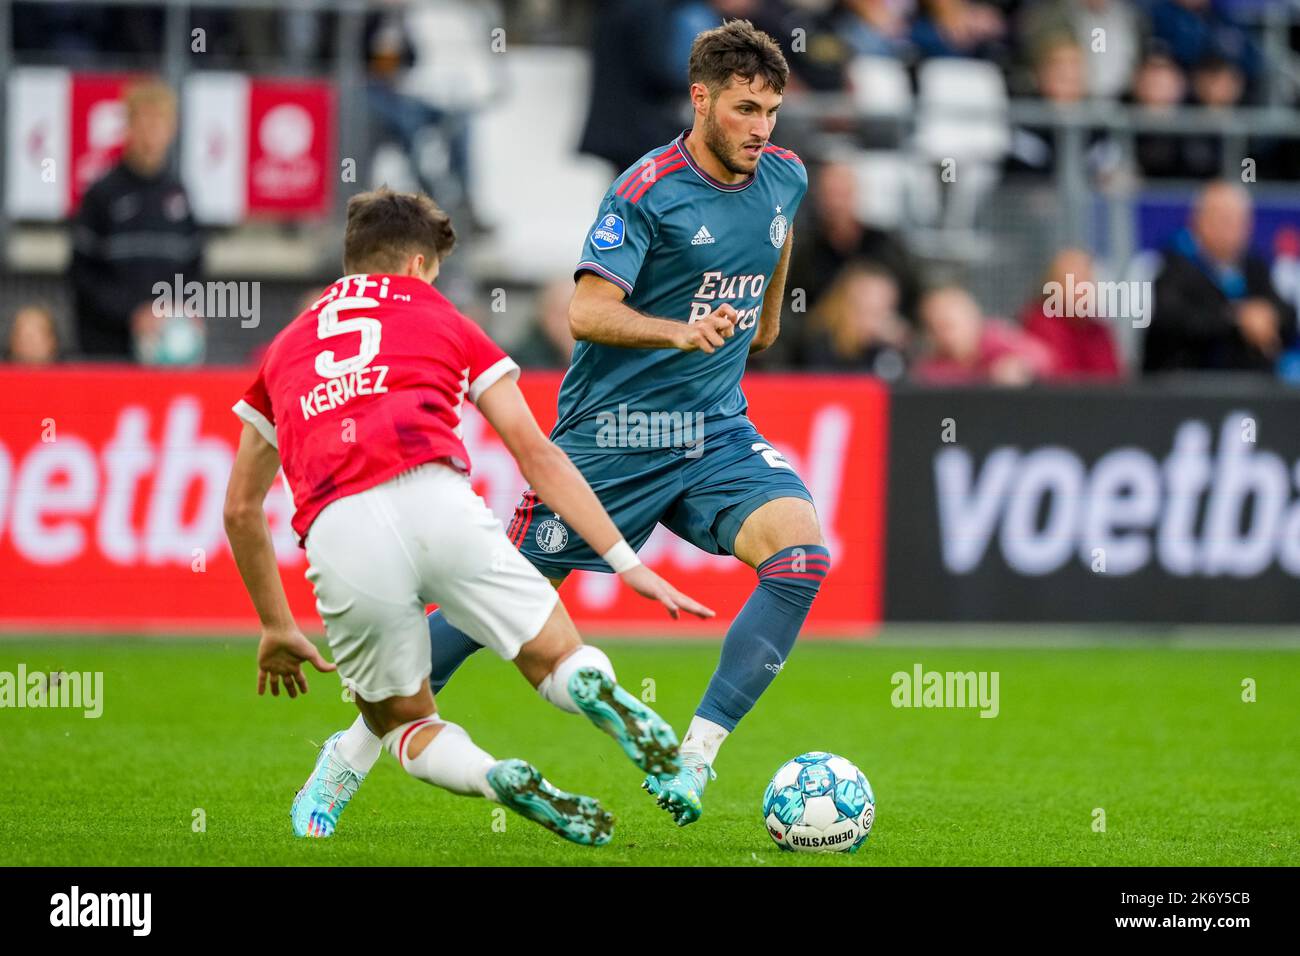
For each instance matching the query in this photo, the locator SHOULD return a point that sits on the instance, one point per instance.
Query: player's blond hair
(148, 94)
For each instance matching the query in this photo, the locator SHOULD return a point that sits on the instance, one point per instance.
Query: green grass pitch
(1158, 737)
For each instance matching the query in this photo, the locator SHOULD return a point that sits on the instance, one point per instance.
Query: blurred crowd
(1151, 53)
(1213, 305)
(858, 298)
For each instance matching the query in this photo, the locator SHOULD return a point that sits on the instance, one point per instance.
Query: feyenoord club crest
(776, 231)
(552, 536)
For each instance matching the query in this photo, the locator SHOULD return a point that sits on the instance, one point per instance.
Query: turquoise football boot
(646, 738)
(321, 801)
(681, 794)
(520, 786)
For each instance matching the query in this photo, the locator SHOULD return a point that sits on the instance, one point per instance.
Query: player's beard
(715, 138)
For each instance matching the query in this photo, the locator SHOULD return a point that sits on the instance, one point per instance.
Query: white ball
(819, 803)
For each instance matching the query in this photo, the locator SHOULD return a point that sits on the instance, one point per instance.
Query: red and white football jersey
(367, 383)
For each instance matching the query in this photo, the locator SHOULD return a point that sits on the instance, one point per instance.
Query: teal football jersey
(679, 243)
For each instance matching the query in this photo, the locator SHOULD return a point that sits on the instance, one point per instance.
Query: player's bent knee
(557, 639)
(796, 573)
(776, 526)
(384, 715)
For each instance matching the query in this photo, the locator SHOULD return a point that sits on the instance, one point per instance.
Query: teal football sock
(761, 636)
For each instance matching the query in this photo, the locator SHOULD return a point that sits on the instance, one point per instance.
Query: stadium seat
(454, 69)
(881, 86)
(527, 179)
(883, 178)
(962, 119)
(961, 110)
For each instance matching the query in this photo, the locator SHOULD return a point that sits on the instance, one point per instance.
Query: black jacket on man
(1194, 323)
(131, 232)
(637, 95)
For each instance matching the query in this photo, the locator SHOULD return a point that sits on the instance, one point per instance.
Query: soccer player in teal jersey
(680, 279)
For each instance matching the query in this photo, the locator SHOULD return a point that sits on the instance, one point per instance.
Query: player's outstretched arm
(283, 647)
(558, 483)
(769, 321)
(597, 314)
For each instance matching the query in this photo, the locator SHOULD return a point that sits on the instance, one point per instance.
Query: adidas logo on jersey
(703, 237)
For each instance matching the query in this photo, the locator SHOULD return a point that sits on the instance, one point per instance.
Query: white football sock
(451, 760)
(358, 747)
(555, 685)
(704, 737)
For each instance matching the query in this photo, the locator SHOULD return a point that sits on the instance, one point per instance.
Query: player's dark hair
(736, 48)
(386, 228)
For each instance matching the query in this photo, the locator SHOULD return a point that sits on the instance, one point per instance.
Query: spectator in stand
(134, 229)
(1059, 70)
(407, 119)
(856, 326)
(33, 337)
(1217, 84)
(875, 27)
(817, 60)
(549, 343)
(636, 87)
(962, 347)
(1061, 80)
(1215, 305)
(1081, 347)
(1110, 69)
(1195, 30)
(835, 236)
(1159, 87)
(960, 28)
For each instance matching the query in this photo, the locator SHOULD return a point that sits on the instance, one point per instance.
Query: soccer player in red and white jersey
(359, 400)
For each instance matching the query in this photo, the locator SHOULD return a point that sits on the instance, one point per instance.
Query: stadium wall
(112, 482)
(1162, 505)
(1177, 504)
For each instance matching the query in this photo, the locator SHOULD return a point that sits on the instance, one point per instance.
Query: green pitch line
(1157, 738)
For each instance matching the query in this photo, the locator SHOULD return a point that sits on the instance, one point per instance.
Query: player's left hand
(650, 585)
(280, 656)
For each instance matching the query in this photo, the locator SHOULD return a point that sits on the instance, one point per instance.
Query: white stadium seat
(528, 180)
(881, 86)
(961, 110)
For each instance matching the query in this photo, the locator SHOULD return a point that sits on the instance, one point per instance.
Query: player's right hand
(711, 332)
(280, 656)
(648, 584)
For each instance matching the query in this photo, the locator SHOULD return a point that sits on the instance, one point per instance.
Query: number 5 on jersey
(329, 325)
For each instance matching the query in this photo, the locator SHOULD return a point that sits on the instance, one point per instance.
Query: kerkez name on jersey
(346, 379)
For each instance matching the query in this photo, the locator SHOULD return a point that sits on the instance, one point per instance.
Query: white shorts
(378, 557)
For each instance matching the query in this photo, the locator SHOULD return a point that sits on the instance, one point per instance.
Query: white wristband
(621, 557)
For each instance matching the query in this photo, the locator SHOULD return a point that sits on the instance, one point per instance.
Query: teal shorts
(703, 497)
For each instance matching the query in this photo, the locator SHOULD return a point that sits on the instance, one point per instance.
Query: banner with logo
(112, 482)
(1144, 504)
(259, 147)
(249, 146)
(65, 131)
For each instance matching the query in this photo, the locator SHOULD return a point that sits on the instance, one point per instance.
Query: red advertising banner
(249, 147)
(290, 126)
(98, 127)
(112, 482)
